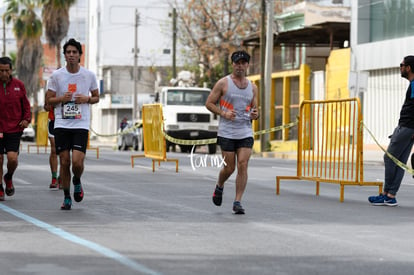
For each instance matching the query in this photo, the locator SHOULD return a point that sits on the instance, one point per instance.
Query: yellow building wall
(336, 83)
(337, 74)
(284, 145)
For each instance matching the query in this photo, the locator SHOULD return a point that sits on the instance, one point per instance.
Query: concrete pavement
(135, 221)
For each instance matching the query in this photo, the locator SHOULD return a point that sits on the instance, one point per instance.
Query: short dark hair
(6, 60)
(409, 60)
(73, 42)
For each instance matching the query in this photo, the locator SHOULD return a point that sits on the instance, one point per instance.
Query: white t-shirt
(71, 115)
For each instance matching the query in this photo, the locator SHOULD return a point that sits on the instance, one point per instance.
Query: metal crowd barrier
(330, 145)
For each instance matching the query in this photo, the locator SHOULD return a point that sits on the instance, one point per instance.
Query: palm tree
(27, 28)
(55, 15)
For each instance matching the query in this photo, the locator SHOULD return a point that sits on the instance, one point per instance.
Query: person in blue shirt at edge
(234, 99)
(401, 143)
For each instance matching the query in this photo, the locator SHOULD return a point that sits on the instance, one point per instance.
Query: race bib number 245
(71, 110)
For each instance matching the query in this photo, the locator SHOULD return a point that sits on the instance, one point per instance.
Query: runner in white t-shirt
(71, 90)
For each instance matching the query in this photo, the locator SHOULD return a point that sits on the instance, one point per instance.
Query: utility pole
(4, 36)
(268, 68)
(135, 71)
(174, 47)
(263, 103)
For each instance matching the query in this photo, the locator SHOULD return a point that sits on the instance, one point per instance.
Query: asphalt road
(135, 221)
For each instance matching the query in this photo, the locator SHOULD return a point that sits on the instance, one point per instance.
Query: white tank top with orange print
(239, 100)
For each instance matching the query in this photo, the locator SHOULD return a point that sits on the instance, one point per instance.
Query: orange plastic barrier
(154, 140)
(330, 145)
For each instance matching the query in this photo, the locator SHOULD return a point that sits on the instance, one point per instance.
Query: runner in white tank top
(234, 99)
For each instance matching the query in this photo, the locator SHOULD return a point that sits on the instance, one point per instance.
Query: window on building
(290, 57)
(382, 20)
(294, 106)
(278, 135)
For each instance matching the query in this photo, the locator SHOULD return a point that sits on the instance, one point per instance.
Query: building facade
(382, 34)
(129, 46)
(303, 65)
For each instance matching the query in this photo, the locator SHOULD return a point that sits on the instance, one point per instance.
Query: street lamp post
(263, 138)
(268, 70)
(135, 71)
(4, 36)
(174, 67)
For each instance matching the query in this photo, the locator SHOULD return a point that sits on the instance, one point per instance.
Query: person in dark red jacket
(15, 115)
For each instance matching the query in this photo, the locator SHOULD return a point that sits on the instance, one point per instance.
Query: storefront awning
(328, 34)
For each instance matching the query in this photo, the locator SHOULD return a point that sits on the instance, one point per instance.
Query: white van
(186, 117)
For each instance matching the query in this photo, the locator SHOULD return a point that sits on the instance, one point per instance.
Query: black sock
(66, 192)
(219, 188)
(8, 176)
(76, 180)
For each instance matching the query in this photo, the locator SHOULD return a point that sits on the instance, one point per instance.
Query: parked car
(131, 136)
(28, 133)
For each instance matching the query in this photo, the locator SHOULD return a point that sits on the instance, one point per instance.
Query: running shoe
(390, 201)
(9, 187)
(54, 184)
(377, 200)
(67, 204)
(1, 192)
(218, 196)
(237, 208)
(78, 192)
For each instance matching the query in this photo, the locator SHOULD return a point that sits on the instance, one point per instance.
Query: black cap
(236, 56)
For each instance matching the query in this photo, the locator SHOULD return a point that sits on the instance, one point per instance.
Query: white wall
(376, 55)
(381, 55)
(112, 32)
(111, 40)
(382, 104)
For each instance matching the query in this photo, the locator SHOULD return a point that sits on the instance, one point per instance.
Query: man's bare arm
(213, 98)
(95, 97)
(51, 99)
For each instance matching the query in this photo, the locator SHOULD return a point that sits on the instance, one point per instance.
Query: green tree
(212, 29)
(27, 28)
(55, 15)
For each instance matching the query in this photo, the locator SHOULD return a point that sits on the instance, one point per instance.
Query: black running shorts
(51, 128)
(231, 145)
(10, 142)
(71, 139)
